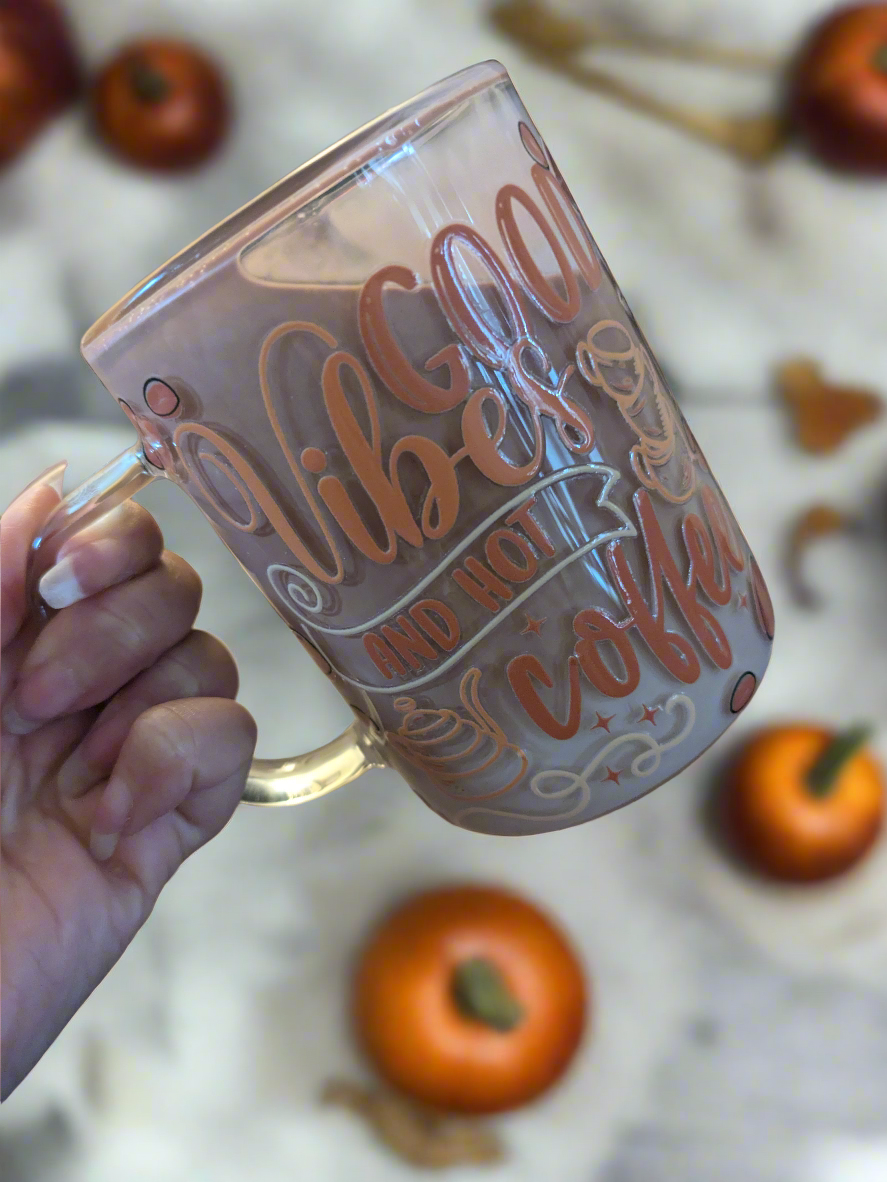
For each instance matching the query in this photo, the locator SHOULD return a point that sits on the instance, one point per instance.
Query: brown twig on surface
(427, 1139)
(537, 27)
(814, 523)
(554, 41)
(753, 139)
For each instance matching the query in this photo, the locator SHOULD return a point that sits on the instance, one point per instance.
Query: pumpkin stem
(823, 776)
(149, 84)
(879, 59)
(481, 993)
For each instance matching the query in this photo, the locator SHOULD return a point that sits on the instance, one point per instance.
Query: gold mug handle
(270, 781)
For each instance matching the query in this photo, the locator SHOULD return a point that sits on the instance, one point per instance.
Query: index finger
(19, 526)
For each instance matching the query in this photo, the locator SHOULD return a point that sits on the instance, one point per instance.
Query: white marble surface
(738, 1032)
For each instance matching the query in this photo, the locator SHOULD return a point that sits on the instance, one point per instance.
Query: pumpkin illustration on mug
(469, 999)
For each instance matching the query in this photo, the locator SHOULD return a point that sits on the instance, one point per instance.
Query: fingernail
(72, 776)
(60, 587)
(103, 845)
(100, 552)
(111, 815)
(13, 722)
(53, 477)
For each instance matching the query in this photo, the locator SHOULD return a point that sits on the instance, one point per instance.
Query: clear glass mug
(408, 395)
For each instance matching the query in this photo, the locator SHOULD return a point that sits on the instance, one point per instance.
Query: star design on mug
(742, 599)
(603, 722)
(611, 775)
(649, 714)
(533, 625)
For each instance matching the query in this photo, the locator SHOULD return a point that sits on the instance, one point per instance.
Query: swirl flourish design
(574, 789)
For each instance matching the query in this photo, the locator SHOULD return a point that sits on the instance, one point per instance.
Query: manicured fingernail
(60, 587)
(53, 477)
(13, 722)
(101, 555)
(103, 845)
(111, 814)
(72, 776)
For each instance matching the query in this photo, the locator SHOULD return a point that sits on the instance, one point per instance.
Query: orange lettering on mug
(447, 632)
(569, 221)
(279, 521)
(497, 557)
(594, 629)
(559, 308)
(522, 671)
(524, 518)
(483, 447)
(411, 645)
(673, 650)
(713, 578)
(723, 530)
(384, 657)
(388, 360)
(483, 585)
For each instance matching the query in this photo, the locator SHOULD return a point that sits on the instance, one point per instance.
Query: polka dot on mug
(743, 692)
(160, 398)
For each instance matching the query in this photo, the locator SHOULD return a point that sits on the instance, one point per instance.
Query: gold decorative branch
(532, 24)
(556, 41)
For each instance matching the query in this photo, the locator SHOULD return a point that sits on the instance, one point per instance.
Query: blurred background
(737, 1025)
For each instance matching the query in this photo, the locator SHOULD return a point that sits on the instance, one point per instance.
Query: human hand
(122, 754)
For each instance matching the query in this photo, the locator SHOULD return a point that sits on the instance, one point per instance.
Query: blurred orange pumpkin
(39, 72)
(837, 92)
(803, 803)
(469, 999)
(161, 104)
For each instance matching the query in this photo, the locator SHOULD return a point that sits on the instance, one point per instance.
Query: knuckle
(198, 666)
(151, 612)
(215, 657)
(242, 729)
(128, 625)
(144, 526)
(169, 735)
(250, 728)
(185, 578)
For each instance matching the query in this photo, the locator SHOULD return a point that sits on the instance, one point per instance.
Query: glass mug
(408, 395)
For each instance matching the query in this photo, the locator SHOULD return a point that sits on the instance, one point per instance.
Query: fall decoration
(423, 1138)
(804, 803)
(814, 523)
(834, 89)
(39, 72)
(837, 90)
(546, 31)
(161, 105)
(824, 413)
(554, 41)
(469, 999)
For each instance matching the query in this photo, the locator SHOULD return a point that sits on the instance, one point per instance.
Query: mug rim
(368, 146)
